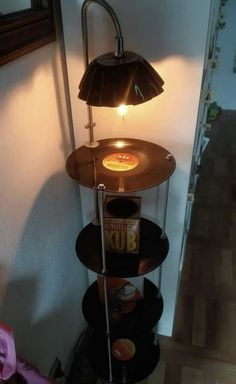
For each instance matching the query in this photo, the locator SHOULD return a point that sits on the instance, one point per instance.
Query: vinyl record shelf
(126, 350)
(153, 250)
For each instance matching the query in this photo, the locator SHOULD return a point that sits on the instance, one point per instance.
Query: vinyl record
(121, 164)
(133, 358)
(144, 315)
(122, 294)
(152, 251)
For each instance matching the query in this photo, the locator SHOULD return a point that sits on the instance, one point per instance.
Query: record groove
(121, 164)
(143, 317)
(152, 251)
(145, 358)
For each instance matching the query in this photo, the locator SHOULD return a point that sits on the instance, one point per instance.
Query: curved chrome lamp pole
(114, 78)
(119, 52)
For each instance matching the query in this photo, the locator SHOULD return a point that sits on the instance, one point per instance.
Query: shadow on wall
(42, 301)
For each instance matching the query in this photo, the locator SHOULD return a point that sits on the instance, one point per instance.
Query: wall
(224, 80)
(172, 36)
(41, 281)
(13, 5)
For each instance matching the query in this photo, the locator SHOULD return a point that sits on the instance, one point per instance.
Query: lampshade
(110, 81)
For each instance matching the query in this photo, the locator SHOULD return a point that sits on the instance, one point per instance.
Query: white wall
(172, 36)
(41, 280)
(13, 5)
(224, 80)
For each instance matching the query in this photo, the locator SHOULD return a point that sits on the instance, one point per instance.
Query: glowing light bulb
(122, 109)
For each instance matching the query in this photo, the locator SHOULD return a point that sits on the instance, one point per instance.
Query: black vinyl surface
(136, 369)
(86, 165)
(152, 251)
(143, 317)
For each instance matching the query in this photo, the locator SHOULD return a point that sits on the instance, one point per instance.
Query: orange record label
(123, 349)
(120, 162)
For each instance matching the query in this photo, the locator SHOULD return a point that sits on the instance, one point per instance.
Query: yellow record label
(120, 162)
(123, 349)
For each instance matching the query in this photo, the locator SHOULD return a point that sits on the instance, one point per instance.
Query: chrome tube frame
(101, 189)
(119, 52)
(163, 234)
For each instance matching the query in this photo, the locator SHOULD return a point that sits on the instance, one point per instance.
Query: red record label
(123, 349)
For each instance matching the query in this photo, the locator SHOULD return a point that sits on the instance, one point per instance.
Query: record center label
(120, 162)
(123, 349)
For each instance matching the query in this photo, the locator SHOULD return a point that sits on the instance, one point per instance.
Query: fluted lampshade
(110, 81)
